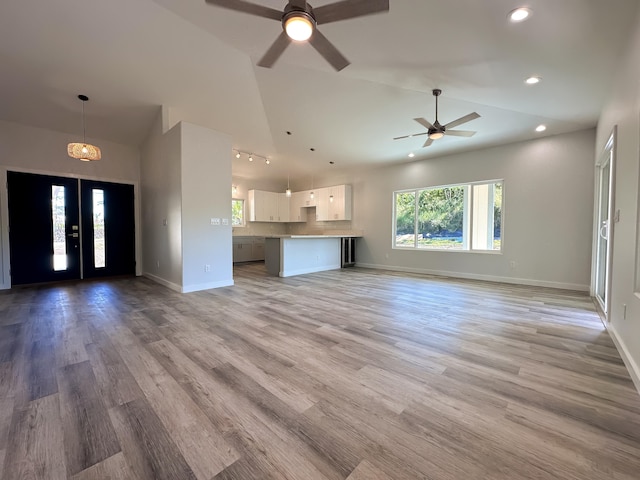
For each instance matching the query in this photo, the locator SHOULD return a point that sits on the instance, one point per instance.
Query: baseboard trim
(632, 366)
(207, 286)
(302, 271)
(486, 278)
(173, 286)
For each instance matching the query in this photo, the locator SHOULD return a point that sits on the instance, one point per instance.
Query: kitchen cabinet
(331, 204)
(307, 200)
(296, 203)
(334, 203)
(283, 207)
(340, 202)
(268, 206)
(248, 249)
(322, 204)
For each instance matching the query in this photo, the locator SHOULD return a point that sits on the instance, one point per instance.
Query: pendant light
(84, 151)
(288, 190)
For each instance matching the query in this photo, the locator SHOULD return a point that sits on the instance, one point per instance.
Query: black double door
(57, 234)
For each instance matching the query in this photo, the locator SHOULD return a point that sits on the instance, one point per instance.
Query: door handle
(73, 235)
(604, 230)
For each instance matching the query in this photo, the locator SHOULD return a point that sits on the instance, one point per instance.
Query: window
(237, 213)
(451, 217)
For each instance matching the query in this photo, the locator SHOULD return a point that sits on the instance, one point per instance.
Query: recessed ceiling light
(411, 155)
(519, 14)
(532, 80)
(541, 128)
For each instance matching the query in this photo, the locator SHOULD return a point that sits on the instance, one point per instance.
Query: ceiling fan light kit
(436, 131)
(299, 21)
(298, 25)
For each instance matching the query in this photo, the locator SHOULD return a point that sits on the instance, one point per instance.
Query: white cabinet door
(322, 204)
(308, 200)
(296, 203)
(340, 202)
(242, 252)
(283, 207)
(263, 206)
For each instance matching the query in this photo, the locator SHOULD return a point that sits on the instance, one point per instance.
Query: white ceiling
(131, 56)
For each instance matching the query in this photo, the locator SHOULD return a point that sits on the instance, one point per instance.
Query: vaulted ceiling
(132, 56)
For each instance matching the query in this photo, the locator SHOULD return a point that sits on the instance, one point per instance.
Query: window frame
(467, 220)
(244, 213)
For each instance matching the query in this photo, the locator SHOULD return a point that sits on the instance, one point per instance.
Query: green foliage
(237, 212)
(441, 210)
(405, 213)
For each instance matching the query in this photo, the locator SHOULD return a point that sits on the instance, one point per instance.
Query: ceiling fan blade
(460, 133)
(424, 123)
(348, 9)
(461, 120)
(410, 136)
(275, 50)
(427, 143)
(247, 7)
(327, 50)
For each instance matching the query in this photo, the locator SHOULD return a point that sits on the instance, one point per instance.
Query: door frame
(607, 153)
(5, 259)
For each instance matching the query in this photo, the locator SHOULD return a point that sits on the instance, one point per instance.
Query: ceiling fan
(299, 23)
(436, 131)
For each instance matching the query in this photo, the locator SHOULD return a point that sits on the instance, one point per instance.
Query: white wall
(162, 205)
(548, 199)
(186, 178)
(206, 194)
(623, 110)
(37, 150)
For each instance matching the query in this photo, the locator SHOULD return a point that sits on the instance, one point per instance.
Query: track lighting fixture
(251, 156)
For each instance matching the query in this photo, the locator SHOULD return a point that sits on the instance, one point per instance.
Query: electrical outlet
(512, 264)
(164, 222)
(207, 268)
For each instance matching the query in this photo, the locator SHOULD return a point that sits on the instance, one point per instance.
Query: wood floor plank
(35, 447)
(147, 445)
(88, 433)
(366, 471)
(345, 374)
(202, 446)
(113, 468)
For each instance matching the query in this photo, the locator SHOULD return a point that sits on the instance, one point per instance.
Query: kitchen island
(288, 255)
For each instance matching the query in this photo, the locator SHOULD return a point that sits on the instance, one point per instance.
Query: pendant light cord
(84, 129)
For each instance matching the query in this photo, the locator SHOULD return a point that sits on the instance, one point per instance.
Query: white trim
(207, 286)
(154, 278)
(488, 278)
(302, 271)
(632, 366)
(190, 288)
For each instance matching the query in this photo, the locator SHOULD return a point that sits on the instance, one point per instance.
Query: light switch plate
(225, 221)
(215, 221)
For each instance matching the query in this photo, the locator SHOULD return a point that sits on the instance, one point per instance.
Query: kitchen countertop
(313, 236)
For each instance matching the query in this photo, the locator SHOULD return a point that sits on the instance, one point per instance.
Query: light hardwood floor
(351, 374)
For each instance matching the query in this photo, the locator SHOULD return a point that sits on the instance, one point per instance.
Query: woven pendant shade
(84, 151)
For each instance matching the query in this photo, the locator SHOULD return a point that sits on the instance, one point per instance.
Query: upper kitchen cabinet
(296, 203)
(331, 204)
(284, 206)
(268, 206)
(334, 203)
